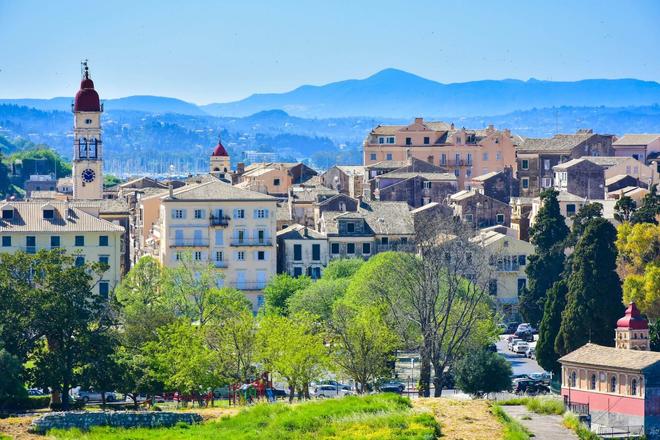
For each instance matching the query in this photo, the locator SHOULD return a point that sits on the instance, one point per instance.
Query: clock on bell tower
(87, 146)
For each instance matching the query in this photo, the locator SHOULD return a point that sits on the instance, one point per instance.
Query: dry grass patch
(17, 428)
(463, 419)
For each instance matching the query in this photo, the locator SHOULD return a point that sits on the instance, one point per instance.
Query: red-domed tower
(632, 331)
(220, 161)
(87, 147)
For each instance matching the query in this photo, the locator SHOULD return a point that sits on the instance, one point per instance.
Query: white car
(520, 347)
(525, 327)
(331, 391)
(513, 342)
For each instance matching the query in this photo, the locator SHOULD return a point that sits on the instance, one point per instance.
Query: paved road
(519, 363)
(544, 427)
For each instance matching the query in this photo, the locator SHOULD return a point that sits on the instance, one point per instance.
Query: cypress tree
(594, 296)
(546, 265)
(546, 355)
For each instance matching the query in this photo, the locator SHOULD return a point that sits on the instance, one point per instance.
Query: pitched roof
(573, 162)
(557, 143)
(306, 193)
(600, 356)
(387, 165)
(486, 176)
(636, 139)
(215, 190)
(614, 179)
(382, 218)
(28, 217)
(565, 196)
(408, 174)
(357, 170)
(300, 232)
(609, 161)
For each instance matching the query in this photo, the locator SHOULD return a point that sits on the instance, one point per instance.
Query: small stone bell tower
(632, 331)
(220, 165)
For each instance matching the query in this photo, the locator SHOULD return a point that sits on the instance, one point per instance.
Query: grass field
(381, 416)
(538, 405)
(512, 429)
(463, 419)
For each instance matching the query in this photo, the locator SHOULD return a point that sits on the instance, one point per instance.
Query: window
(499, 219)
(404, 240)
(469, 218)
(408, 141)
(261, 255)
(260, 213)
(8, 214)
(381, 140)
(316, 252)
(316, 273)
(88, 121)
(492, 287)
(197, 255)
(524, 164)
(570, 209)
(372, 156)
(104, 259)
(443, 159)
(239, 213)
(546, 182)
(276, 182)
(469, 158)
(334, 248)
(468, 172)
(612, 384)
(350, 248)
(384, 240)
(261, 236)
(525, 182)
(49, 213)
(388, 156)
(103, 240)
(80, 261)
(457, 158)
(572, 379)
(240, 256)
(633, 387)
(427, 185)
(485, 156)
(79, 240)
(199, 213)
(429, 159)
(522, 284)
(498, 155)
(6, 241)
(366, 248)
(219, 256)
(592, 383)
(104, 289)
(297, 271)
(457, 173)
(350, 227)
(54, 241)
(522, 260)
(178, 213)
(458, 140)
(219, 237)
(427, 140)
(240, 235)
(297, 252)
(390, 140)
(546, 164)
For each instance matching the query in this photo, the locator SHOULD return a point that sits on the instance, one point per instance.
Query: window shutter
(254, 213)
(266, 255)
(256, 255)
(235, 213)
(266, 213)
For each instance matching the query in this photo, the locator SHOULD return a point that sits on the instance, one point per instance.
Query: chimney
(419, 120)
(452, 125)
(491, 127)
(240, 168)
(171, 189)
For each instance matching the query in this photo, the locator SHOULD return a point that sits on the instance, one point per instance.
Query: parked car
(520, 347)
(525, 335)
(94, 396)
(491, 348)
(278, 393)
(512, 343)
(330, 391)
(335, 383)
(543, 377)
(526, 326)
(529, 387)
(143, 397)
(35, 392)
(502, 328)
(392, 387)
(531, 353)
(511, 327)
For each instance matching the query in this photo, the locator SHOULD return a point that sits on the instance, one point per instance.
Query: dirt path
(544, 427)
(463, 419)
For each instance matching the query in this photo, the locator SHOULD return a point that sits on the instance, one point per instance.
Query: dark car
(277, 392)
(511, 328)
(529, 387)
(392, 387)
(525, 335)
(491, 348)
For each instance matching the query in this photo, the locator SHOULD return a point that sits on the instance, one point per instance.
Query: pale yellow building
(35, 225)
(508, 257)
(232, 228)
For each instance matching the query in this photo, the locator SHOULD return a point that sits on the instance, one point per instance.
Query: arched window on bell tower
(93, 149)
(82, 148)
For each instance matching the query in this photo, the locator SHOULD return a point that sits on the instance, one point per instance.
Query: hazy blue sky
(205, 51)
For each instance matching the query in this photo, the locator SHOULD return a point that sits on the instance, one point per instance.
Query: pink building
(466, 153)
(617, 387)
(643, 147)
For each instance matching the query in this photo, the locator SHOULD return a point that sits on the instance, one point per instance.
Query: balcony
(252, 242)
(222, 221)
(220, 264)
(191, 243)
(457, 163)
(246, 285)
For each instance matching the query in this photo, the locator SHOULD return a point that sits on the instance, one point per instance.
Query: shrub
(512, 429)
(538, 405)
(483, 372)
(571, 421)
(25, 403)
(73, 405)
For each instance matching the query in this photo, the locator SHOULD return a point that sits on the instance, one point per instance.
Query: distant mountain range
(394, 93)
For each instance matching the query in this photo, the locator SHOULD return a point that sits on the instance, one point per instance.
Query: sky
(220, 51)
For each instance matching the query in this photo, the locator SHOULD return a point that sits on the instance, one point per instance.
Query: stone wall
(120, 419)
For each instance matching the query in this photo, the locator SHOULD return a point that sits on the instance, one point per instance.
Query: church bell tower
(87, 146)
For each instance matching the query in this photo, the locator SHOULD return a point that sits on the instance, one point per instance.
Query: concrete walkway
(543, 427)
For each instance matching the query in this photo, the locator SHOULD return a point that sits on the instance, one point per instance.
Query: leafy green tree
(110, 180)
(644, 290)
(99, 369)
(143, 305)
(138, 372)
(293, 349)
(654, 334)
(319, 297)
(362, 344)
(279, 289)
(581, 219)
(624, 208)
(594, 297)
(5, 184)
(342, 268)
(483, 372)
(546, 354)
(41, 159)
(649, 208)
(546, 265)
(11, 379)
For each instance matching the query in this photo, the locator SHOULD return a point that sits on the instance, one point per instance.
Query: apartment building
(301, 251)
(463, 152)
(345, 179)
(642, 147)
(274, 178)
(232, 228)
(480, 210)
(537, 157)
(34, 225)
(580, 177)
(500, 185)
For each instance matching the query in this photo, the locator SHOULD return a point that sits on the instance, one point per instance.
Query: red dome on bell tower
(632, 319)
(87, 99)
(219, 150)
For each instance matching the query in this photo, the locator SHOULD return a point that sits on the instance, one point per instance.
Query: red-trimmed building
(618, 386)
